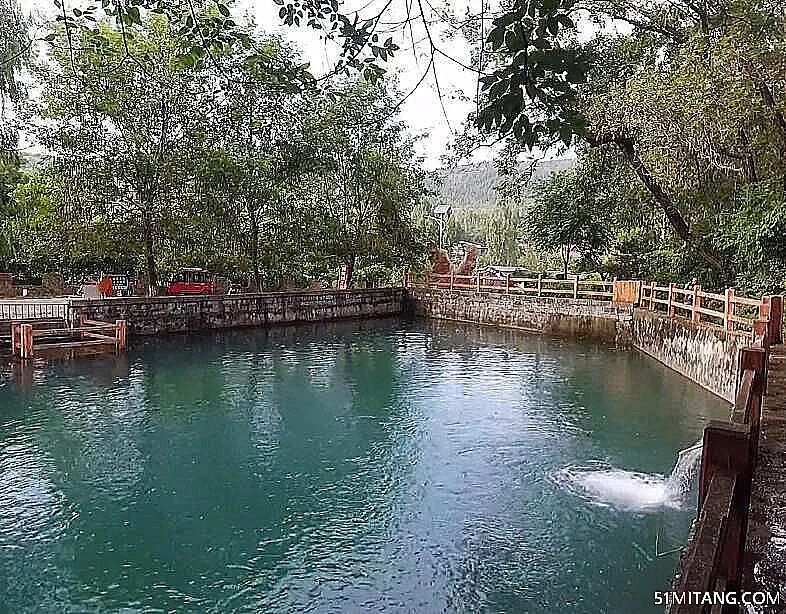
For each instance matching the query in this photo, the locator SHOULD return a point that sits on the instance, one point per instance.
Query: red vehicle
(192, 281)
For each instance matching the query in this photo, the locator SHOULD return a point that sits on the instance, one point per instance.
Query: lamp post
(440, 215)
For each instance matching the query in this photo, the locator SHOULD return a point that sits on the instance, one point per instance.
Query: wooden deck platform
(53, 339)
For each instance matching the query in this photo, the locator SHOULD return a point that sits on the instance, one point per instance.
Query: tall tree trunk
(565, 259)
(349, 262)
(778, 119)
(255, 249)
(150, 260)
(749, 160)
(627, 147)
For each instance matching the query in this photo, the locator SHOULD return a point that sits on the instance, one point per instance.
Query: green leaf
(496, 37)
(134, 16)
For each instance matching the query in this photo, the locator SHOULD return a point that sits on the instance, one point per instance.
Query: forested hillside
(473, 185)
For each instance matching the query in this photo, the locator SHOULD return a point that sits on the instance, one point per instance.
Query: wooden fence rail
(88, 333)
(728, 310)
(534, 286)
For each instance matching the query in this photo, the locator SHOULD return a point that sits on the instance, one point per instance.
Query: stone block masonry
(562, 316)
(705, 354)
(171, 314)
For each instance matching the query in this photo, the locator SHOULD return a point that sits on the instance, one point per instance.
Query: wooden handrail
(708, 545)
(714, 558)
(727, 310)
(540, 286)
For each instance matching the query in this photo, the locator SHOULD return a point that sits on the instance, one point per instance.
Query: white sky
(422, 111)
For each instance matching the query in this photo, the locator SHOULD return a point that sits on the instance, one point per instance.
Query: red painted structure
(192, 281)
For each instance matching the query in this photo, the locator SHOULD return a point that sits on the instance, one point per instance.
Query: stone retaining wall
(564, 316)
(165, 314)
(706, 354)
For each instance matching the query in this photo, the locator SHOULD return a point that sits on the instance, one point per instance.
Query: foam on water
(630, 490)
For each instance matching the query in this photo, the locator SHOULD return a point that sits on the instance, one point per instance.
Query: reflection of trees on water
(590, 385)
(69, 438)
(339, 438)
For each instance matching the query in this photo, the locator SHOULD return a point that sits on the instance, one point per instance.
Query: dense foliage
(232, 164)
(180, 138)
(686, 112)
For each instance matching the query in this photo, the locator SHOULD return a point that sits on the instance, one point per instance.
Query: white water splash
(630, 490)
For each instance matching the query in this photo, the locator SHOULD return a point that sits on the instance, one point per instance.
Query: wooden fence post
(753, 359)
(728, 311)
(764, 307)
(120, 335)
(696, 304)
(15, 332)
(26, 341)
(728, 451)
(761, 332)
(576, 287)
(451, 281)
(776, 319)
(540, 284)
(726, 448)
(507, 283)
(671, 299)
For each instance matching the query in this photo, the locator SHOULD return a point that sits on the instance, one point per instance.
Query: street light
(440, 214)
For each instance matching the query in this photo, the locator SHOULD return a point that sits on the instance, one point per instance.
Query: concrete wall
(705, 354)
(563, 316)
(148, 316)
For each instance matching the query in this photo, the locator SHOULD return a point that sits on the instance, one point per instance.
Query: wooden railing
(728, 310)
(714, 558)
(533, 286)
(38, 309)
(88, 333)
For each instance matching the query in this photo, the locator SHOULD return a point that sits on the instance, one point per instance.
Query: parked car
(192, 281)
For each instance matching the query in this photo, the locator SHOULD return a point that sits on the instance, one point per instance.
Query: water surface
(361, 467)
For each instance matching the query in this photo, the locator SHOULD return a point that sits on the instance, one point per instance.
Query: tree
(565, 217)
(15, 47)
(124, 133)
(551, 87)
(369, 180)
(262, 150)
